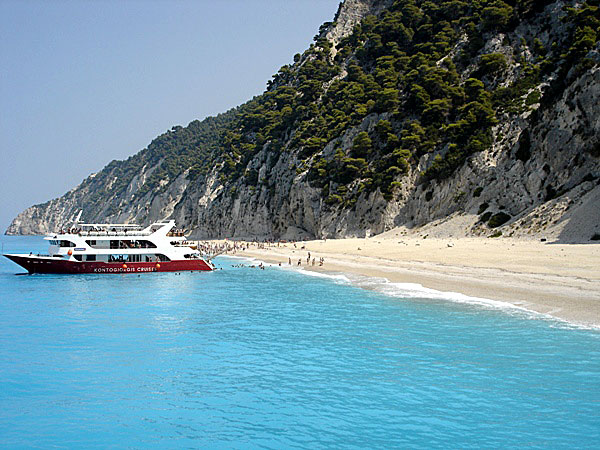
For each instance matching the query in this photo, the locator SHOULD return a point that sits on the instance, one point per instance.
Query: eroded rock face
(543, 171)
(350, 13)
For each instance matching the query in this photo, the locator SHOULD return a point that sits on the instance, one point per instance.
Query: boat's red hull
(35, 264)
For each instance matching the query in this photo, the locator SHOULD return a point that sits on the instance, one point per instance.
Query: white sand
(556, 279)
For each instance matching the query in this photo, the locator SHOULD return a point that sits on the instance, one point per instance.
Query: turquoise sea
(276, 358)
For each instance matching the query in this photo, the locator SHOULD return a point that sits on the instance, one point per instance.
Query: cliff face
(287, 165)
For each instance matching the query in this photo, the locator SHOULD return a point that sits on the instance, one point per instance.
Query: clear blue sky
(86, 82)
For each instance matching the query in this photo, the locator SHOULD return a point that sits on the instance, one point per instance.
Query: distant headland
(400, 114)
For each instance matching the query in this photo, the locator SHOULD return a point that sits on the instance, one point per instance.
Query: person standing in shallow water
(290, 261)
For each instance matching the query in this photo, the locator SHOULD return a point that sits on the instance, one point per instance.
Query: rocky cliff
(402, 113)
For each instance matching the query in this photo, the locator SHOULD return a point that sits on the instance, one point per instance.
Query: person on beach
(299, 261)
(290, 261)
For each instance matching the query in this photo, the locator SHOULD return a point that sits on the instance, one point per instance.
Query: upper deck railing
(130, 230)
(111, 233)
(80, 232)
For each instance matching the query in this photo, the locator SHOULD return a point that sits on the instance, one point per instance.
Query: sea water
(276, 358)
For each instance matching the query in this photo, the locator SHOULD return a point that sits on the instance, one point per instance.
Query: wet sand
(562, 280)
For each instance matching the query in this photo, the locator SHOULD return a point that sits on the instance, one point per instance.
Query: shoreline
(558, 280)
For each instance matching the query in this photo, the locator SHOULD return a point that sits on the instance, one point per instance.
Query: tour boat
(116, 248)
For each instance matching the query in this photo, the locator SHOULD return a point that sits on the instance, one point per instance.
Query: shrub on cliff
(498, 219)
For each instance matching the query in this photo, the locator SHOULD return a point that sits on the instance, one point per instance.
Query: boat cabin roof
(108, 225)
(116, 229)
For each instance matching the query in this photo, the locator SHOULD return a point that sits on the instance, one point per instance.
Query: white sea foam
(331, 276)
(340, 277)
(245, 258)
(418, 291)
(384, 286)
(415, 291)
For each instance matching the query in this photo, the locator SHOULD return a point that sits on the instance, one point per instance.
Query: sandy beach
(561, 280)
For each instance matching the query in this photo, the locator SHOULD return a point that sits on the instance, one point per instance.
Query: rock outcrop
(540, 176)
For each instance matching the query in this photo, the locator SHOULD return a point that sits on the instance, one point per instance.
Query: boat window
(77, 257)
(90, 257)
(120, 243)
(143, 244)
(64, 243)
(54, 242)
(118, 258)
(131, 258)
(94, 243)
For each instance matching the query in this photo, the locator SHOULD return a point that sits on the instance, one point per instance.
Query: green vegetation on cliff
(415, 88)
(407, 64)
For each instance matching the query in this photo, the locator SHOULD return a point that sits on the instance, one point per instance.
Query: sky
(85, 82)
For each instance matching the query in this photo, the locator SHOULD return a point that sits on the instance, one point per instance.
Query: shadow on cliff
(582, 221)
